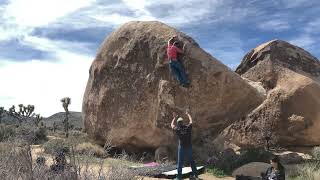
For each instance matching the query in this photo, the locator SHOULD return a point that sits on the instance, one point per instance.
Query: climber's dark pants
(178, 72)
(182, 151)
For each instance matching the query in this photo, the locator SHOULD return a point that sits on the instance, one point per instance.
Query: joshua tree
(31, 109)
(21, 110)
(65, 103)
(13, 113)
(55, 126)
(26, 110)
(12, 110)
(38, 120)
(2, 111)
(24, 113)
(42, 125)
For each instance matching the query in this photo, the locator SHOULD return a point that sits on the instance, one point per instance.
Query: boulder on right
(289, 78)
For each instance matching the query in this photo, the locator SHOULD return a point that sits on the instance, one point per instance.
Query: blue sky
(47, 46)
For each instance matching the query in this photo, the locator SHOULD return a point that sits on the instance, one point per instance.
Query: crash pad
(186, 171)
(151, 164)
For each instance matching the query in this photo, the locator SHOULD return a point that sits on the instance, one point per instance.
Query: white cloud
(117, 19)
(113, 15)
(12, 31)
(274, 25)
(313, 26)
(44, 83)
(21, 14)
(41, 12)
(54, 46)
(179, 12)
(309, 37)
(20, 17)
(296, 3)
(304, 41)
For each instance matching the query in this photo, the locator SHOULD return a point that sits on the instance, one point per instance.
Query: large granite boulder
(130, 94)
(290, 114)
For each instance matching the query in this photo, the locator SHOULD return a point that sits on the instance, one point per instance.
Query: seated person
(275, 172)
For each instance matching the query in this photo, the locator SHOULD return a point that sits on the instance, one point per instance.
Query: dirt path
(37, 151)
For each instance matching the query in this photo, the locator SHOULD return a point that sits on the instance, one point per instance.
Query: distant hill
(8, 119)
(75, 119)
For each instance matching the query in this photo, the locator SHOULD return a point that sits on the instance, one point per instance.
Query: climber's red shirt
(172, 52)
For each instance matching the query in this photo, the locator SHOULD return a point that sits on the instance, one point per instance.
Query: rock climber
(185, 146)
(175, 65)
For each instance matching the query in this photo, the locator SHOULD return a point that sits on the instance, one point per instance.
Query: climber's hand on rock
(174, 114)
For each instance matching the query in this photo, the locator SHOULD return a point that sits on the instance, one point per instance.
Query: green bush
(55, 145)
(216, 172)
(6, 132)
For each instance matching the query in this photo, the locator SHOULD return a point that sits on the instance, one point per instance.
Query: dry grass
(18, 162)
(22, 160)
(308, 171)
(15, 161)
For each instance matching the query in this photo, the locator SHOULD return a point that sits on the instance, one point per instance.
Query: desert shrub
(316, 153)
(31, 134)
(88, 148)
(6, 131)
(55, 145)
(25, 133)
(40, 135)
(15, 161)
(310, 171)
(216, 172)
